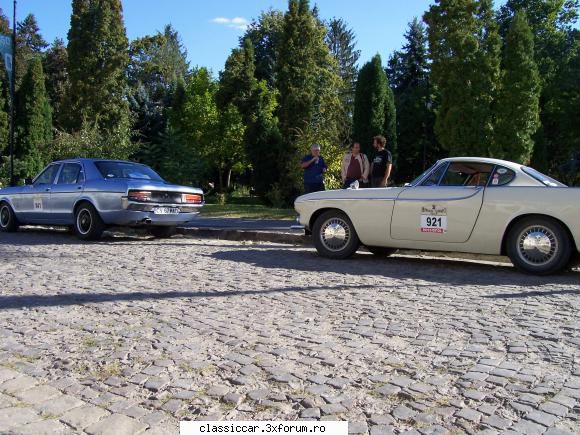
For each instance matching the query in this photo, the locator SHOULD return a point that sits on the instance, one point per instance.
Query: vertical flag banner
(6, 53)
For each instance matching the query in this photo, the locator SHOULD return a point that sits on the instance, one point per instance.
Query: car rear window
(542, 178)
(135, 171)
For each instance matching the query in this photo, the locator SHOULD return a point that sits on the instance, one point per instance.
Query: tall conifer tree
(465, 48)
(518, 101)
(98, 58)
(33, 120)
(370, 104)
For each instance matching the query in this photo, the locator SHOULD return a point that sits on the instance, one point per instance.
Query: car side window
(502, 176)
(468, 174)
(71, 173)
(47, 176)
(435, 176)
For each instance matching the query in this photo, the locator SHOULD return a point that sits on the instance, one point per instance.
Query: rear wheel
(8, 221)
(162, 232)
(334, 235)
(539, 245)
(380, 251)
(88, 224)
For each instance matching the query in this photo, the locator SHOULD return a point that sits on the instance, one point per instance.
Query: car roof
(85, 159)
(491, 161)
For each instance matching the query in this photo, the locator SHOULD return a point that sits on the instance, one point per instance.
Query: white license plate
(166, 210)
(433, 224)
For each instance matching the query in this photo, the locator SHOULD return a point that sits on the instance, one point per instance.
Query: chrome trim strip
(348, 199)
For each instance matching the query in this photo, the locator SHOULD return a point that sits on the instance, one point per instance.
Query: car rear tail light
(188, 198)
(139, 195)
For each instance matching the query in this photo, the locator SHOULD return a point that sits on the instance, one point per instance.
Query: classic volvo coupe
(473, 205)
(90, 195)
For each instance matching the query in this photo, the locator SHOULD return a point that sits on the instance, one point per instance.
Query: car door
(35, 199)
(445, 207)
(65, 192)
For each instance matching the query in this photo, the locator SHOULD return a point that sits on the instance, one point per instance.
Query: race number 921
(433, 224)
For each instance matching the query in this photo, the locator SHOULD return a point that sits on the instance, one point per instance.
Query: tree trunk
(229, 179)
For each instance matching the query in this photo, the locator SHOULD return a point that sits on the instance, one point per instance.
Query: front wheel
(8, 221)
(539, 245)
(334, 235)
(380, 251)
(162, 232)
(88, 224)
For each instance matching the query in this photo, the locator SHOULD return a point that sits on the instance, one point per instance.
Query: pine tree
(465, 48)
(256, 104)
(55, 65)
(518, 100)
(33, 120)
(342, 44)
(29, 44)
(308, 85)
(370, 104)
(266, 36)
(409, 74)
(157, 64)
(98, 58)
(4, 108)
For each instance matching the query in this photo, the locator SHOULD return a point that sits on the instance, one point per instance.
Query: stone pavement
(243, 224)
(131, 335)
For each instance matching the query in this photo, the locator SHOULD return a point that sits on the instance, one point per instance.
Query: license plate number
(166, 210)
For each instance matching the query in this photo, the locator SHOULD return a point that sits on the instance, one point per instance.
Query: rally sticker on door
(38, 203)
(434, 220)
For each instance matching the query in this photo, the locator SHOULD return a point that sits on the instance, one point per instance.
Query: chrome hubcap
(537, 245)
(84, 221)
(4, 216)
(335, 234)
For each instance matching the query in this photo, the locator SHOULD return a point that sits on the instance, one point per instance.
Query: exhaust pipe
(146, 221)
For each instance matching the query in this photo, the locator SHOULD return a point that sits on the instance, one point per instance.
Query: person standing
(355, 166)
(382, 163)
(314, 169)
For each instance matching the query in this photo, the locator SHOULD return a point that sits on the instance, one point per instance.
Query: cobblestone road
(130, 336)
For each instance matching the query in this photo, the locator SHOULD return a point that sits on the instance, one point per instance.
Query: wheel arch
(519, 218)
(322, 210)
(81, 201)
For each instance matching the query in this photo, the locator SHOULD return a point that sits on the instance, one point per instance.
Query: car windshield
(542, 178)
(416, 180)
(135, 171)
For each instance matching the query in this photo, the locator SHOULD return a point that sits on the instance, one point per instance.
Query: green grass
(253, 211)
(245, 207)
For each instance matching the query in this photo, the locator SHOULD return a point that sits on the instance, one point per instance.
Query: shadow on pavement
(534, 293)
(436, 270)
(32, 301)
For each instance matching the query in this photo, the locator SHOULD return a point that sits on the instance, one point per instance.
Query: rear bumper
(143, 218)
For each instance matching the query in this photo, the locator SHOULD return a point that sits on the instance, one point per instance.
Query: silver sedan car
(90, 195)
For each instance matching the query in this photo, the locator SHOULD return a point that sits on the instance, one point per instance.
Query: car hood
(375, 193)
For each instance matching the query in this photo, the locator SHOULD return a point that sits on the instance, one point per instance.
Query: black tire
(539, 245)
(334, 235)
(380, 251)
(162, 232)
(88, 224)
(8, 221)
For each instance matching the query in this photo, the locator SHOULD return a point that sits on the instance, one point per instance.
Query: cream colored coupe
(466, 204)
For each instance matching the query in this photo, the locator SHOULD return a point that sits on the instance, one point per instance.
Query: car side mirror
(28, 181)
(406, 184)
(354, 185)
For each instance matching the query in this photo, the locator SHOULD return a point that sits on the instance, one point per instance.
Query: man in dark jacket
(314, 169)
(382, 163)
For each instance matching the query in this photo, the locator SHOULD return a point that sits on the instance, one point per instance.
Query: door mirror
(406, 184)
(28, 181)
(354, 185)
